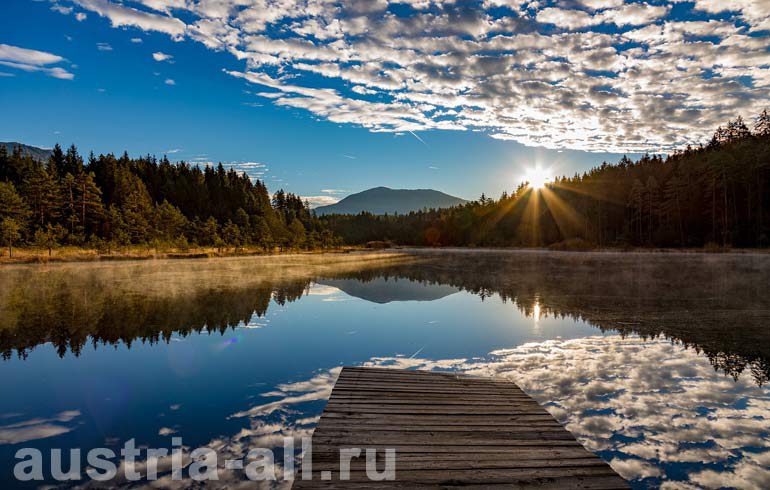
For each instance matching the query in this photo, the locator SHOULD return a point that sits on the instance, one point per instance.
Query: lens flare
(537, 177)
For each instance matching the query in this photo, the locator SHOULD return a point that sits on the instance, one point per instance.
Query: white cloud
(601, 4)
(103, 47)
(649, 405)
(596, 75)
(634, 14)
(61, 9)
(169, 81)
(80, 16)
(567, 18)
(120, 15)
(316, 201)
(27, 56)
(31, 60)
(159, 56)
(36, 429)
(136, 40)
(633, 469)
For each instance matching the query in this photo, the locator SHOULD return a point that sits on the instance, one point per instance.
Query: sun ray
(586, 192)
(569, 221)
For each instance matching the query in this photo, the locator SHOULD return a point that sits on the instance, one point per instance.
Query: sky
(325, 98)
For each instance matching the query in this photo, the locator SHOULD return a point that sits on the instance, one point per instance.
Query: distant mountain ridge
(40, 154)
(384, 200)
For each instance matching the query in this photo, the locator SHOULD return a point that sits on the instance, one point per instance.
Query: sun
(537, 177)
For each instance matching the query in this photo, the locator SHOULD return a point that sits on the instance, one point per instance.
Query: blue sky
(331, 97)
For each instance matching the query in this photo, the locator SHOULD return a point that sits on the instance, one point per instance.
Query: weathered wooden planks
(447, 430)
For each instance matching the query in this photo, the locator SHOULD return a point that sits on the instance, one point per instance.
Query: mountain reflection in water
(715, 304)
(671, 386)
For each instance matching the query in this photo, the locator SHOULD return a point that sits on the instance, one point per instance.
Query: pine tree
(737, 130)
(114, 228)
(261, 233)
(209, 232)
(4, 163)
(231, 234)
(88, 201)
(56, 162)
(297, 233)
(636, 202)
(169, 221)
(762, 126)
(10, 233)
(49, 237)
(73, 162)
(653, 203)
(42, 194)
(69, 208)
(11, 204)
(673, 195)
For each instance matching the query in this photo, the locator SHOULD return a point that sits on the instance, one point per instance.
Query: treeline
(717, 195)
(107, 202)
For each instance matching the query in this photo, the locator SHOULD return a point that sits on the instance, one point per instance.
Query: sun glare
(537, 177)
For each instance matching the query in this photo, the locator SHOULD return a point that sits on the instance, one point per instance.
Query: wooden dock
(447, 430)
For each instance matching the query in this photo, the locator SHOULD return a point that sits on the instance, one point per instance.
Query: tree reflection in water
(714, 304)
(662, 412)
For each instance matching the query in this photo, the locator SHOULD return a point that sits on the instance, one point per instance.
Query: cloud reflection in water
(657, 411)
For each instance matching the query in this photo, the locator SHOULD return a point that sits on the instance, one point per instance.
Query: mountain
(382, 291)
(39, 154)
(382, 200)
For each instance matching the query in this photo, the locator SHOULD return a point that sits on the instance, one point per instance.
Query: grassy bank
(31, 255)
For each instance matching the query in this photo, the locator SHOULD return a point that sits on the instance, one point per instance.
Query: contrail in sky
(419, 139)
(421, 348)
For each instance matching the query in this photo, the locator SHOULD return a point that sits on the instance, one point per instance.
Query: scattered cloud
(136, 40)
(61, 9)
(122, 16)
(595, 75)
(31, 60)
(103, 47)
(169, 81)
(166, 431)
(80, 16)
(316, 201)
(649, 405)
(172, 151)
(159, 56)
(38, 428)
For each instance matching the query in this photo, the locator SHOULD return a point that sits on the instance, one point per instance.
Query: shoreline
(22, 256)
(31, 256)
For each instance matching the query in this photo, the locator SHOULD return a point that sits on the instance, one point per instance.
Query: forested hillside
(717, 194)
(107, 202)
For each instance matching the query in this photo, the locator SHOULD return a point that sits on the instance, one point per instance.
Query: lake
(658, 362)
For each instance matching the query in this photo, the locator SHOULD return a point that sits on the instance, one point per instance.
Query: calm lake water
(659, 363)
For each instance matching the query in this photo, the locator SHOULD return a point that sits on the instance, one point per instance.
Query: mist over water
(658, 362)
